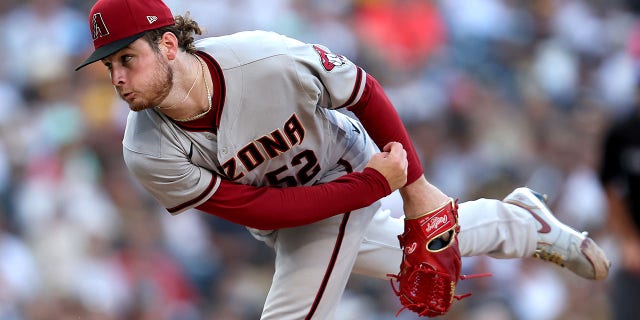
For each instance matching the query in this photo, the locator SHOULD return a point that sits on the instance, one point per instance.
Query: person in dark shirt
(620, 177)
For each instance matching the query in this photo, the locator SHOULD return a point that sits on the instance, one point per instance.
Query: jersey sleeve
(174, 182)
(179, 185)
(332, 79)
(268, 208)
(339, 83)
(382, 122)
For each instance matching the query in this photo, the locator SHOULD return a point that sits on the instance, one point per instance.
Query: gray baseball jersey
(276, 126)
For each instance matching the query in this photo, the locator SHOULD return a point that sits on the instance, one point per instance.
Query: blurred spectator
(620, 176)
(156, 283)
(19, 274)
(405, 32)
(42, 39)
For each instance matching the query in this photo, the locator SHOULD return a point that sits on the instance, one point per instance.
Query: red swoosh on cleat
(545, 226)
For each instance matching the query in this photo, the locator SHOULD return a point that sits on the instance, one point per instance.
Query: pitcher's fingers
(399, 152)
(382, 154)
(387, 147)
(396, 150)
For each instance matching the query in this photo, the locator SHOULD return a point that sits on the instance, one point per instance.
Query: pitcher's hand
(392, 164)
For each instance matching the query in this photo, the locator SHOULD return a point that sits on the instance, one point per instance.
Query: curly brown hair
(184, 29)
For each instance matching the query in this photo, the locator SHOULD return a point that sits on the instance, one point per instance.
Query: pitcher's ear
(169, 44)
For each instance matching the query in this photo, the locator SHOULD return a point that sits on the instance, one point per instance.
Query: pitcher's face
(141, 75)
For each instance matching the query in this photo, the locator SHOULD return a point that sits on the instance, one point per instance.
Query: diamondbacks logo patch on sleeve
(328, 59)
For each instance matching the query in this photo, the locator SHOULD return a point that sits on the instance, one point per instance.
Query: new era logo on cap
(152, 19)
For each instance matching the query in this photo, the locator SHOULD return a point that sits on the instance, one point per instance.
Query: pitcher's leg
(313, 264)
(519, 226)
(487, 226)
(559, 243)
(495, 228)
(380, 252)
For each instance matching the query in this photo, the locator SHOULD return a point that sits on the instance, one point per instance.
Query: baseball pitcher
(248, 127)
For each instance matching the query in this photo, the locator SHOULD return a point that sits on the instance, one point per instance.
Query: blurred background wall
(496, 94)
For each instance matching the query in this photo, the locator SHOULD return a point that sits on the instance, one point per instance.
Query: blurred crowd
(495, 93)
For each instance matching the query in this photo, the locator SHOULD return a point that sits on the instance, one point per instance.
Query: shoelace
(550, 256)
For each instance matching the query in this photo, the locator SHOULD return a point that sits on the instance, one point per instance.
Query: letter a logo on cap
(126, 20)
(99, 28)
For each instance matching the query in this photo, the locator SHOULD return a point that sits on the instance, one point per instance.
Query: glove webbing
(439, 281)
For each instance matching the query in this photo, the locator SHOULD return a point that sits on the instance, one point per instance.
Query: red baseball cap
(115, 24)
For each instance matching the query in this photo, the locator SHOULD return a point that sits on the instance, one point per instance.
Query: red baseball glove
(430, 266)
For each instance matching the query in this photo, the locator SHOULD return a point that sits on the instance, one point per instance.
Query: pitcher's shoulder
(146, 133)
(246, 46)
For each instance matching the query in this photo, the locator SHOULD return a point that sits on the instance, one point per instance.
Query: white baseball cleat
(559, 243)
